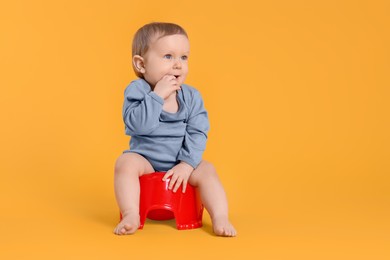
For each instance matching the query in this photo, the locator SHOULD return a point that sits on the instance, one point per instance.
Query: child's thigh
(133, 162)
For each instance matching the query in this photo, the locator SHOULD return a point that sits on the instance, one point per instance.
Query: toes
(225, 231)
(128, 225)
(117, 230)
(124, 230)
(127, 230)
(231, 232)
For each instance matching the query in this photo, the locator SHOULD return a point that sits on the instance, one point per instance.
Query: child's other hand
(179, 176)
(166, 86)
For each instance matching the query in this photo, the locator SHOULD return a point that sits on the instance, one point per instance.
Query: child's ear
(138, 63)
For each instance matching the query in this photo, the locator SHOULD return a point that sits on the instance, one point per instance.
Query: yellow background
(298, 97)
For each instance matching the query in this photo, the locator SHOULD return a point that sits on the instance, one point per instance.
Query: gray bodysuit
(164, 138)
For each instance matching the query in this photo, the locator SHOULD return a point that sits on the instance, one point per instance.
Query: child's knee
(132, 162)
(125, 161)
(205, 172)
(208, 167)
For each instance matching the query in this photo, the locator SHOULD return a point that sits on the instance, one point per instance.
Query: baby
(168, 125)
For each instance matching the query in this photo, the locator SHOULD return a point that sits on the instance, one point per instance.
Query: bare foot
(128, 225)
(222, 227)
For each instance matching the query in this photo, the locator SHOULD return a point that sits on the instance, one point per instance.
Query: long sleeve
(197, 128)
(141, 108)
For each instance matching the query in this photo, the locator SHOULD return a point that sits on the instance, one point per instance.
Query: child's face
(167, 56)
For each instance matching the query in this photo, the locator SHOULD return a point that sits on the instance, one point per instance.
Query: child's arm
(193, 147)
(196, 132)
(141, 108)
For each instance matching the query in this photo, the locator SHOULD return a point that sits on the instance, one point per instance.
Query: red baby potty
(157, 202)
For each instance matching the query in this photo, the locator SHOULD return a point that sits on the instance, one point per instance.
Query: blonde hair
(143, 36)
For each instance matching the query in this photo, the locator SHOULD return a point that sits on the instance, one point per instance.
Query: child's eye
(184, 57)
(168, 56)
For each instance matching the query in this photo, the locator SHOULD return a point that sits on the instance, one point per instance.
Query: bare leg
(128, 168)
(213, 197)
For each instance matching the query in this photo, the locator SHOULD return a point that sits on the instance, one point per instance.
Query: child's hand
(166, 86)
(179, 176)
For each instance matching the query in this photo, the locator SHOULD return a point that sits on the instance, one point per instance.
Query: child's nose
(177, 64)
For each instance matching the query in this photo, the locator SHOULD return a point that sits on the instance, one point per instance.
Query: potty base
(157, 202)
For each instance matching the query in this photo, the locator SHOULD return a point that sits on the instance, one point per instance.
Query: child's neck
(171, 104)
